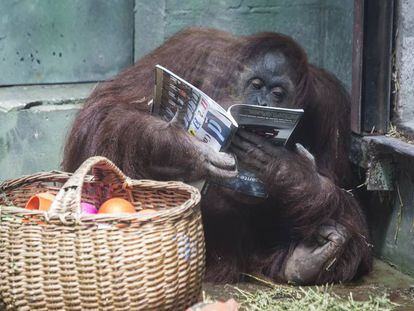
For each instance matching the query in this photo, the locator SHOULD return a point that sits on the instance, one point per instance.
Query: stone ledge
(24, 97)
(380, 156)
(364, 147)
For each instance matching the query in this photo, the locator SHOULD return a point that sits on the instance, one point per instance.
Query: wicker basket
(65, 260)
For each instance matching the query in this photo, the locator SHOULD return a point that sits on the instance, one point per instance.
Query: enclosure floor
(383, 279)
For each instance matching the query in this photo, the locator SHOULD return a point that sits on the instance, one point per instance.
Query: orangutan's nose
(261, 102)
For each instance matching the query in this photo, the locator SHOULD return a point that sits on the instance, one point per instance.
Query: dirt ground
(383, 279)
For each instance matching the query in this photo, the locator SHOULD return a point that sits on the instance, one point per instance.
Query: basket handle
(68, 199)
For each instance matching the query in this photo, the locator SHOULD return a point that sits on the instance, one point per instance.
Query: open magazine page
(271, 122)
(201, 116)
(276, 124)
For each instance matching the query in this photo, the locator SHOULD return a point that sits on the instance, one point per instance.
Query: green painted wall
(34, 121)
(391, 218)
(49, 41)
(323, 27)
(31, 139)
(389, 202)
(394, 223)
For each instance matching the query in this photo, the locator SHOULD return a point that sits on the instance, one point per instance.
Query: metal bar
(357, 52)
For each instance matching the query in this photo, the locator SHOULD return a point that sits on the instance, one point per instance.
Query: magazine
(206, 120)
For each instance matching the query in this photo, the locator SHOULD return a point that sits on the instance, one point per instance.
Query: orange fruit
(116, 205)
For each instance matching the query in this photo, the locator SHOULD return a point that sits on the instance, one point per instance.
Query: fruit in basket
(88, 208)
(116, 205)
(40, 201)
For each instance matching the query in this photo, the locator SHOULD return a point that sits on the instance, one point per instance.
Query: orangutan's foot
(312, 256)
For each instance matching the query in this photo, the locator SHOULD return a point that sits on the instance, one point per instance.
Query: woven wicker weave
(65, 260)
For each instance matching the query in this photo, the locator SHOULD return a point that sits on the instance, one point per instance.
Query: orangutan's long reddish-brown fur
(240, 237)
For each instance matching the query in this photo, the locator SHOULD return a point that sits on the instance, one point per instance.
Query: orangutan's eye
(257, 83)
(279, 93)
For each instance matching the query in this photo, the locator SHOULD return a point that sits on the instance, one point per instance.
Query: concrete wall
(323, 27)
(33, 124)
(391, 219)
(404, 66)
(48, 41)
(390, 211)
